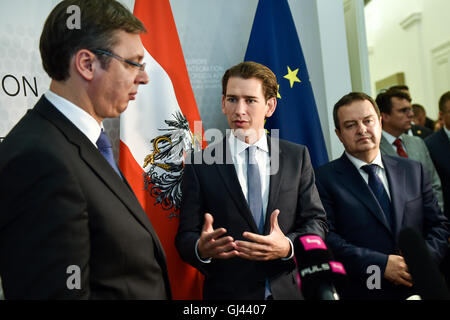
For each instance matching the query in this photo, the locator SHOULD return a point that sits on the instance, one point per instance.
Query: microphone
(317, 271)
(423, 269)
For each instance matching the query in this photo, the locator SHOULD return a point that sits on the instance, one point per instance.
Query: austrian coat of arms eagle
(164, 173)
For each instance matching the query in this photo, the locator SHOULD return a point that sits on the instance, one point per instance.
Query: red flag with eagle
(156, 130)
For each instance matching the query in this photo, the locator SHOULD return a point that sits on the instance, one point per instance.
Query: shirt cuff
(292, 251)
(209, 259)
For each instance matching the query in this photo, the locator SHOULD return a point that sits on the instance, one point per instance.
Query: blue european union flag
(275, 44)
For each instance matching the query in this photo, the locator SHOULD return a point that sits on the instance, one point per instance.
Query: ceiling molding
(411, 20)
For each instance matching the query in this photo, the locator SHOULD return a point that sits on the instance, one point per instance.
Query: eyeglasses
(137, 65)
(405, 110)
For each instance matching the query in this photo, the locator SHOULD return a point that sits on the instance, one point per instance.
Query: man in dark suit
(369, 198)
(439, 146)
(70, 225)
(421, 132)
(239, 230)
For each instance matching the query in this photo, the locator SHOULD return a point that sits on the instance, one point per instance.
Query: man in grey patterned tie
(238, 218)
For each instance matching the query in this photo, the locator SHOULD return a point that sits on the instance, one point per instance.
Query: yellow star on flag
(278, 92)
(267, 131)
(292, 76)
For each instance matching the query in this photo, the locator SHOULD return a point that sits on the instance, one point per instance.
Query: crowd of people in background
(435, 134)
(420, 120)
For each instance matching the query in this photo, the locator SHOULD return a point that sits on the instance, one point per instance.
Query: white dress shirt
(80, 118)
(381, 171)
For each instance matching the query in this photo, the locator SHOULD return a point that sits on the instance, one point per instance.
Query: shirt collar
(237, 146)
(389, 137)
(447, 131)
(80, 118)
(359, 163)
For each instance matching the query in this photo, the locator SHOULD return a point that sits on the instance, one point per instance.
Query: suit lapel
(413, 147)
(386, 147)
(93, 158)
(354, 183)
(444, 141)
(396, 176)
(229, 176)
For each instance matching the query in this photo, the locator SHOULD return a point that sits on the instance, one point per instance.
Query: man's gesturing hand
(275, 245)
(211, 245)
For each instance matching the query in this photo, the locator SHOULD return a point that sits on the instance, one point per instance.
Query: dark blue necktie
(379, 191)
(105, 148)
(254, 189)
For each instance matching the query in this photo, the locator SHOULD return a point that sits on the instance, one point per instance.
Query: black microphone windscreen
(423, 269)
(311, 249)
(316, 267)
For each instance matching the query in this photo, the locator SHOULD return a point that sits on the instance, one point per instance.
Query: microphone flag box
(316, 266)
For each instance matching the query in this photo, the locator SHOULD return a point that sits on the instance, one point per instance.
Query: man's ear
(272, 105)
(84, 64)
(338, 133)
(223, 104)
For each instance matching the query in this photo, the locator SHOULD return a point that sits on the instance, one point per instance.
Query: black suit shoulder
(420, 131)
(60, 205)
(439, 146)
(32, 134)
(437, 140)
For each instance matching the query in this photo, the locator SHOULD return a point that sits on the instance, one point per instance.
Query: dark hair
(249, 69)
(349, 99)
(443, 101)
(99, 20)
(418, 109)
(399, 87)
(384, 99)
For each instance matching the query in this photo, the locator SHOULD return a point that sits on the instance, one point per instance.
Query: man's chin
(122, 109)
(366, 147)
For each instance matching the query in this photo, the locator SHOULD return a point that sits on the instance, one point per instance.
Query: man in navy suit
(369, 198)
(439, 146)
(70, 225)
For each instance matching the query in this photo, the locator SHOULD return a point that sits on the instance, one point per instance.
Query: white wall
(405, 36)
